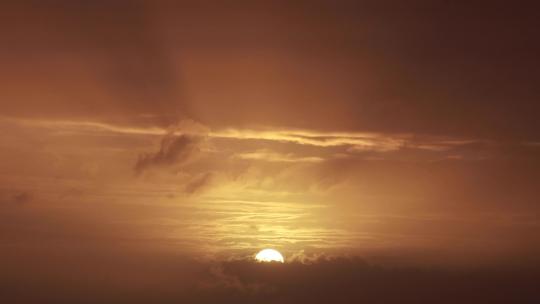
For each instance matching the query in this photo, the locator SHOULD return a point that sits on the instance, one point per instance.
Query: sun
(269, 255)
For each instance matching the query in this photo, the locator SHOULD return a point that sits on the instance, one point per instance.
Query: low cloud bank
(137, 278)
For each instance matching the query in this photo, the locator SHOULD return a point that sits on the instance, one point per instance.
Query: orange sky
(391, 131)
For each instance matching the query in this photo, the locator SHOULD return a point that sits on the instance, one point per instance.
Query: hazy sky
(191, 133)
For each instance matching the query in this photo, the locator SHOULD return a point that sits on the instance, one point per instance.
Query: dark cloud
(198, 183)
(173, 150)
(114, 278)
(352, 280)
(428, 67)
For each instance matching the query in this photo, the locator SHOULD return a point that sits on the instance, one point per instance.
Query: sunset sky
(149, 149)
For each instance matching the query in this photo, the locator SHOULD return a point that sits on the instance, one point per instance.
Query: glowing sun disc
(269, 255)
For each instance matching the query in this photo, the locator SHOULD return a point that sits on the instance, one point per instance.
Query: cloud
(15, 198)
(120, 277)
(173, 150)
(163, 60)
(198, 183)
(353, 280)
(364, 141)
(354, 141)
(118, 263)
(270, 156)
(119, 61)
(302, 257)
(22, 197)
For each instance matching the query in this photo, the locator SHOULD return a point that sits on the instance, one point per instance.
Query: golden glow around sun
(269, 255)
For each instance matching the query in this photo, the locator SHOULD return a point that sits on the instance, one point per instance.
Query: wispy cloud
(270, 156)
(356, 141)
(173, 150)
(368, 141)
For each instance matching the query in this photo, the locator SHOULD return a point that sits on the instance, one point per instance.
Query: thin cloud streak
(278, 157)
(358, 141)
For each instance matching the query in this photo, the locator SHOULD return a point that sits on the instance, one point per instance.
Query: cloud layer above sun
(238, 190)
